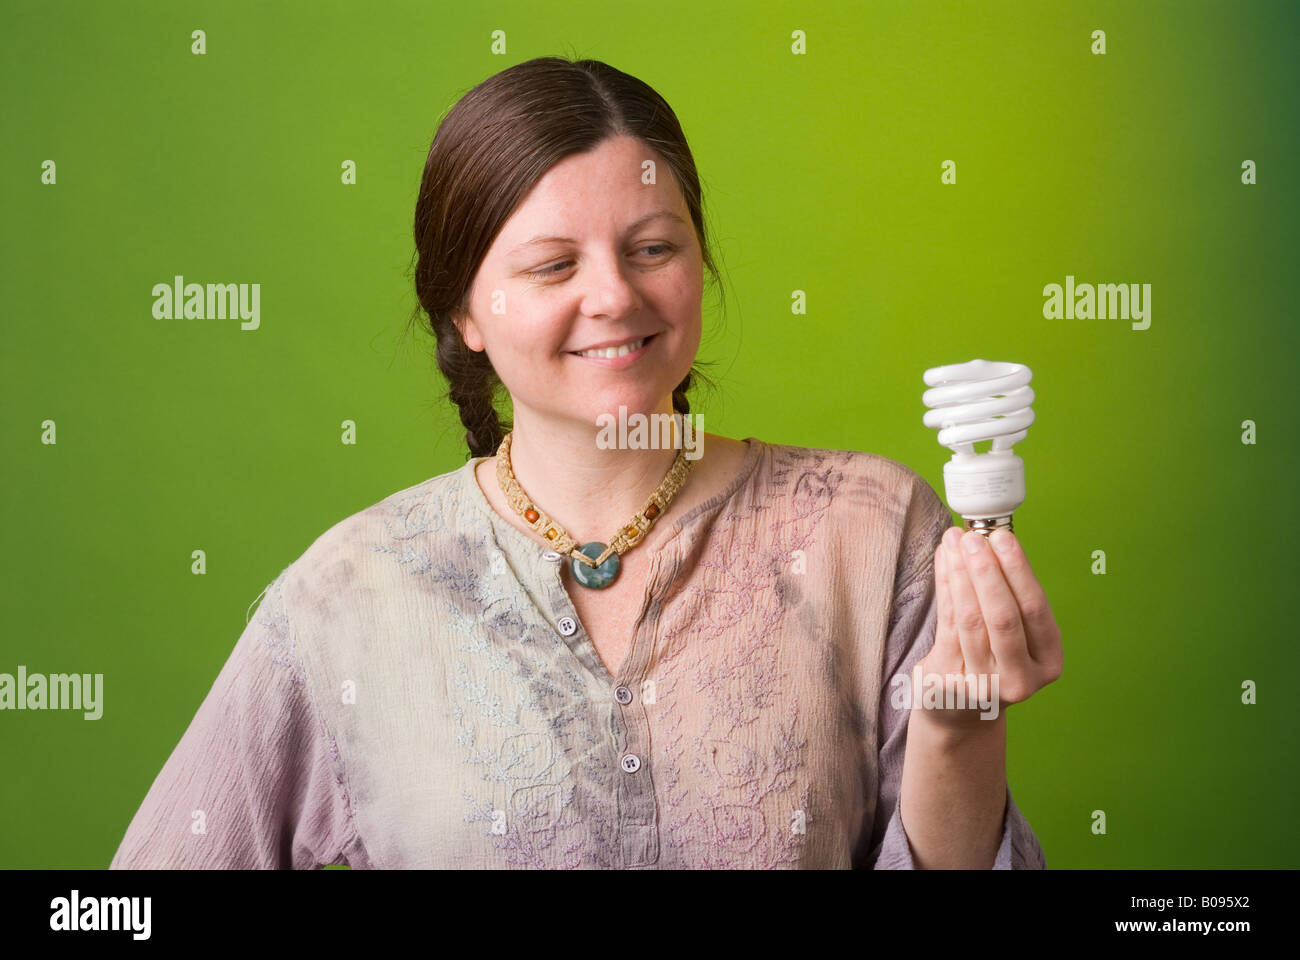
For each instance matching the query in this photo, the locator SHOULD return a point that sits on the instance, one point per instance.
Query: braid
(681, 404)
(473, 385)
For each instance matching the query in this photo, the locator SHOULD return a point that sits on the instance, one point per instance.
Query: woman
(567, 654)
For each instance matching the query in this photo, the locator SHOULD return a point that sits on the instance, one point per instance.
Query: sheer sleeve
(255, 781)
(911, 634)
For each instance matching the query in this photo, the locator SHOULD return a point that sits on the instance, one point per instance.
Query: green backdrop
(823, 172)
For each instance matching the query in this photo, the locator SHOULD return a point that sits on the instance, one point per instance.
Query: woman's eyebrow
(658, 214)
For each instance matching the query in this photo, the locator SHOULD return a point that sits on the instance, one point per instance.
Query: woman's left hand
(993, 620)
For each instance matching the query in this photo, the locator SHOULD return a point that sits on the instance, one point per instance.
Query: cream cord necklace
(594, 564)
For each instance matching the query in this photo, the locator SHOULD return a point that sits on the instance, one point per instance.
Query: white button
(551, 555)
(567, 626)
(631, 763)
(622, 694)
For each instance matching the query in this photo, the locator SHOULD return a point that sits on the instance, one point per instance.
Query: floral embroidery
(728, 711)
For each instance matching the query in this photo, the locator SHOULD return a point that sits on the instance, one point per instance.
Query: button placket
(566, 625)
(637, 808)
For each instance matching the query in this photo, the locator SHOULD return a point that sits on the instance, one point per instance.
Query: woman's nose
(608, 287)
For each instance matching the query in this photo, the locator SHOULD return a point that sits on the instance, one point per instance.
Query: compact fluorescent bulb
(971, 402)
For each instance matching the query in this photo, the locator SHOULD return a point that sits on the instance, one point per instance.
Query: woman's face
(617, 261)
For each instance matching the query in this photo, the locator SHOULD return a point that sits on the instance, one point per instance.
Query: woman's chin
(622, 407)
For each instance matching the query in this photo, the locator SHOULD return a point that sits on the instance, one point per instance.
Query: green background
(821, 173)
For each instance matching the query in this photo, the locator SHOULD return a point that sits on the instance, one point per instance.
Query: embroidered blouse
(416, 690)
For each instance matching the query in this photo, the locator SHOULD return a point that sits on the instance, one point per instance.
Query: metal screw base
(987, 526)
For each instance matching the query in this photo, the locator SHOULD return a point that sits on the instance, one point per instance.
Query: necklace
(594, 564)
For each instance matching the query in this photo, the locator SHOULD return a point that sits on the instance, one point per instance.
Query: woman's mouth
(619, 357)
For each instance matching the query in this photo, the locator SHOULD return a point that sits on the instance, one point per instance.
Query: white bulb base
(985, 488)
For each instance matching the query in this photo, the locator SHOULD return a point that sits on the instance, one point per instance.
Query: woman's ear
(469, 331)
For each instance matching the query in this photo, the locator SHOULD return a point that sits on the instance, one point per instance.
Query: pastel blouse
(416, 690)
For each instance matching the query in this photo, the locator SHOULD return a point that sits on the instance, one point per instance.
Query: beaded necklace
(594, 564)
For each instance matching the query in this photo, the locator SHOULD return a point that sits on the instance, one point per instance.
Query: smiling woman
(518, 272)
(570, 654)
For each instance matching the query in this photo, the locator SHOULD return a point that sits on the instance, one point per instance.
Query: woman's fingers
(968, 618)
(1042, 633)
(947, 646)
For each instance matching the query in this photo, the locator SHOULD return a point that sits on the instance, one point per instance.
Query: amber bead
(530, 515)
(652, 511)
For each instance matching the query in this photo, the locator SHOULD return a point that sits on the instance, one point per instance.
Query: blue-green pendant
(595, 577)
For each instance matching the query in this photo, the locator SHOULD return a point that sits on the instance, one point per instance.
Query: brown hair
(489, 151)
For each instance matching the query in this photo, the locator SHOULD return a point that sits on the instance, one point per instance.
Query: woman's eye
(556, 268)
(547, 271)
